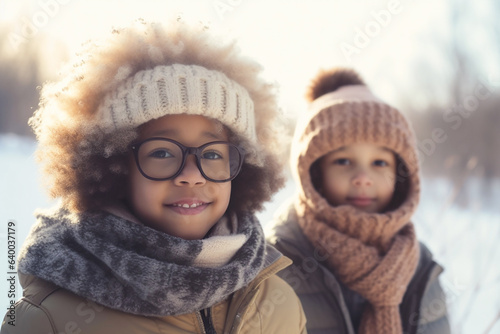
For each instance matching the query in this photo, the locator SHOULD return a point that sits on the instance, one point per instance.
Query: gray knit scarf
(130, 267)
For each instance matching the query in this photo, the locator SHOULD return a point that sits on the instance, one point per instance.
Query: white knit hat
(181, 89)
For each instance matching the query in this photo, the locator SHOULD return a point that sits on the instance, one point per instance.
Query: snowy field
(464, 240)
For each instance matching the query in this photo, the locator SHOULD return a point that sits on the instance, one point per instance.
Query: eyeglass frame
(186, 150)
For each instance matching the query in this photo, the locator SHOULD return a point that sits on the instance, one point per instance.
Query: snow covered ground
(463, 240)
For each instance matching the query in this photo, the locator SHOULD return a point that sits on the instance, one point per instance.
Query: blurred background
(438, 62)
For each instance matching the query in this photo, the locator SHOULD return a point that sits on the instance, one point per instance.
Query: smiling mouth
(187, 206)
(360, 201)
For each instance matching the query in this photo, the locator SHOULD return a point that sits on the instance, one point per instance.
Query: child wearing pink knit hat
(358, 266)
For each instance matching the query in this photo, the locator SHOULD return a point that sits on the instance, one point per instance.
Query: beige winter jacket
(267, 305)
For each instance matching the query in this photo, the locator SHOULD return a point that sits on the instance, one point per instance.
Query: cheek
(223, 197)
(225, 193)
(334, 185)
(215, 191)
(133, 190)
(139, 190)
(387, 180)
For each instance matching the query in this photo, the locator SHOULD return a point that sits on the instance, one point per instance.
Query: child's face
(159, 204)
(361, 175)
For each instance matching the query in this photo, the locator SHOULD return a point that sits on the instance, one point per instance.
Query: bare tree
(467, 152)
(19, 77)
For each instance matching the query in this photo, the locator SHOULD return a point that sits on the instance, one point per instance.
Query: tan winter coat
(267, 305)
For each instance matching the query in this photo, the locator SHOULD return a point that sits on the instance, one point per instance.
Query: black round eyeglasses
(161, 159)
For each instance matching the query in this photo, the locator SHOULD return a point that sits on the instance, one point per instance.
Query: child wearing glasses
(358, 266)
(159, 144)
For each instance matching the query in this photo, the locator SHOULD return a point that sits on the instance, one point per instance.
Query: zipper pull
(206, 317)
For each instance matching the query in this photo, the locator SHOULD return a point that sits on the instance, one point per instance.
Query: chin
(191, 237)
(367, 209)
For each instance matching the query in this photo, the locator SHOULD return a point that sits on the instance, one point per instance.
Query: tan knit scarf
(373, 254)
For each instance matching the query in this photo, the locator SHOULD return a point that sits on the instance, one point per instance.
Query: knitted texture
(180, 89)
(380, 271)
(130, 267)
(351, 114)
(374, 254)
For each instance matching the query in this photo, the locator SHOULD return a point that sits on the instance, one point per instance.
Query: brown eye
(211, 155)
(160, 154)
(342, 162)
(380, 163)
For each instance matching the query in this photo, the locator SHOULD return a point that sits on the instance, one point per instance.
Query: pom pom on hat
(327, 81)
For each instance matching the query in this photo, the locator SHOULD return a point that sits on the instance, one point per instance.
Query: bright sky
(384, 39)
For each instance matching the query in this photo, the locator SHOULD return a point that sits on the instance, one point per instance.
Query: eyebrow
(386, 149)
(170, 132)
(340, 149)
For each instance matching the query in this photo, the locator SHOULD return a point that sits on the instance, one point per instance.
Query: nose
(190, 174)
(362, 179)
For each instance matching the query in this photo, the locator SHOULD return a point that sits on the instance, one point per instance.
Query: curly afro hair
(87, 168)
